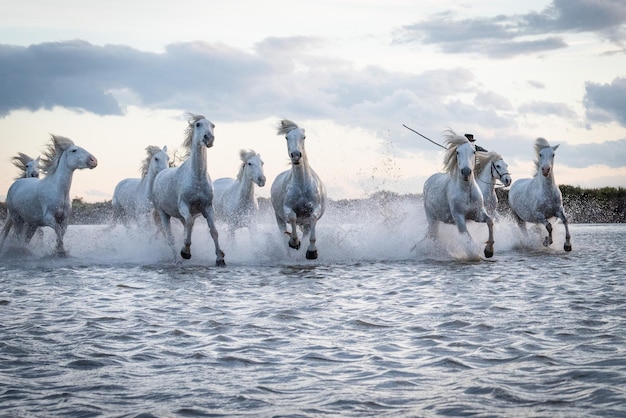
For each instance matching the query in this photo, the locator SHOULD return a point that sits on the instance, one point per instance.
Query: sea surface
(382, 324)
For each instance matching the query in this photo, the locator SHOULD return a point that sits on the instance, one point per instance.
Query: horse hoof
(185, 255)
(220, 263)
(311, 255)
(295, 246)
(567, 246)
(488, 252)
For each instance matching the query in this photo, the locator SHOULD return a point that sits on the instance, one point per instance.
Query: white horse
(29, 167)
(234, 199)
(538, 199)
(32, 203)
(490, 168)
(298, 195)
(131, 198)
(186, 191)
(454, 197)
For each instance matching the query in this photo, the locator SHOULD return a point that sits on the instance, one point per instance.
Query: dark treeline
(604, 205)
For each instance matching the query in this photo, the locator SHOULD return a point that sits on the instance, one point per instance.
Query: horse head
(32, 168)
(460, 155)
(295, 140)
(252, 167)
(545, 156)
(156, 160)
(63, 148)
(500, 170)
(200, 131)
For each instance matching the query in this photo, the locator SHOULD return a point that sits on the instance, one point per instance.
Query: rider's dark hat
(470, 137)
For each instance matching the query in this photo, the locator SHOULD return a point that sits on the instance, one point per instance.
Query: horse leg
(30, 231)
(166, 228)
(188, 221)
(547, 240)
(59, 230)
(6, 230)
(489, 244)
(311, 252)
(294, 242)
(561, 214)
(209, 214)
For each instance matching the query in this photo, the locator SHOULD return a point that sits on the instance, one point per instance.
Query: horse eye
(197, 124)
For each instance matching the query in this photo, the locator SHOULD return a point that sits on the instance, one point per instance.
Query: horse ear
(164, 148)
(555, 147)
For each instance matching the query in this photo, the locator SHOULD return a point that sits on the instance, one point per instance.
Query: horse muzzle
(545, 171)
(261, 181)
(466, 172)
(506, 180)
(207, 140)
(92, 162)
(296, 156)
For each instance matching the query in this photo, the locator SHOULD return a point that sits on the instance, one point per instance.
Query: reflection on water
(380, 325)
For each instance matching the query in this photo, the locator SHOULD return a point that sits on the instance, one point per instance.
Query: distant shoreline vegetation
(603, 205)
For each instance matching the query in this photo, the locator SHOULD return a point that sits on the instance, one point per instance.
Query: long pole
(426, 138)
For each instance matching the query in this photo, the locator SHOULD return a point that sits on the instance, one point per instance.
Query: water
(380, 325)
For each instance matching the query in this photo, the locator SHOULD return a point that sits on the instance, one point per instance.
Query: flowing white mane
(484, 158)
(245, 155)
(53, 153)
(286, 126)
(540, 143)
(151, 150)
(452, 142)
(189, 131)
(20, 161)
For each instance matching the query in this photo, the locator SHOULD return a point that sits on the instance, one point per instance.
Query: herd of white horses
(465, 191)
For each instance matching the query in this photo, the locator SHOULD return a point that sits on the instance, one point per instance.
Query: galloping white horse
(454, 197)
(28, 166)
(131, 198)
(491, 167)
(186, 191)
(32, 203)
(298, 195)
(234, 199)
(538, 199)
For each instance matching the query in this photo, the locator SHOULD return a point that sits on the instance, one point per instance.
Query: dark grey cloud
(505, 36)
(606, 103)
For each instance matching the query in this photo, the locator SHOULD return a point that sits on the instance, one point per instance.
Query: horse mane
(452, 142)
(189, 131)
(20, 161)
(484, 158)
(53, 153)
(245, 155)
(540, 143)
(151, 150)
(286, 126)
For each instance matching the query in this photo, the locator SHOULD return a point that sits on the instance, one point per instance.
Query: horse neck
(545, 182)
(61, 180)
(145, 185)
(302, 171)
(245, 187)
(197, 160)
(485, 179)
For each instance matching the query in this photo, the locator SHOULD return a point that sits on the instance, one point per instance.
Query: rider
(470, 138)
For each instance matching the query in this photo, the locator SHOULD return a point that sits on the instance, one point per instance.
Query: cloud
(548, 109)
(506, 36)
(605, 103)
(281, 76)
(608, 153)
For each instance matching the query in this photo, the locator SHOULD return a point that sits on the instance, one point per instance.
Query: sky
(118, 76)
